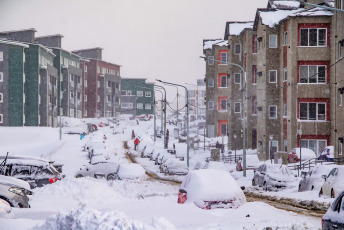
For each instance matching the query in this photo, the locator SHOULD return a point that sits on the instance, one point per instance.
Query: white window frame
(148, 106)
(1, 56)
(285, 110)
(340, 49)
(139, 105)
(273, 44)
(223, 62)
(317, 112)
(340, 98)
(317, 37)
(2, 77)
(271, 71)
(235, 74)
(1, 118)
(85, 97)
(209, 81)
(139, 93)
(211, 60)
(235, 105)
(340, 146)
(270, 107)
(211, 105)
(285, 38)
(235, 48)
(285, 74)
(317, 76)
(148, 94)
(1, 97)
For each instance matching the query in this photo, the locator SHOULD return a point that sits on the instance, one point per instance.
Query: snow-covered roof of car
(25, 160)
(305, 153)
(130, 171)
(212, 185)
(11, 181)
(98, 159)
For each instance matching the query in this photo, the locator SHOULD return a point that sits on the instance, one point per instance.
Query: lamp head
(205, 58)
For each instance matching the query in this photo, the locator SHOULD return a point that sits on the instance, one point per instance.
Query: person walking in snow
(136, 142)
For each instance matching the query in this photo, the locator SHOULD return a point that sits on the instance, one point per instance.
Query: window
(223, 105)
(85, 68)
(237, 107)
(340, 146)
(139, 106)
(210, 105)
(285, 110)
(312, 74)
(109, 98)
(1, 97)
(340, 96)
(85, 97)
(109, 84)
(103, 70)
(85, 83)
(223, 81)
(148, 93)
(140, 93)
(1, 118)
(148, 106)
(254, 74)
(1, 56)
(128, 92)
(273, 111)
(98, 69)
(125, 105)
(223, 129)
(131, 105)
(272, 76)
(98, 84)
(254, 105)
(313, 37)
(237, 48)
(123, 92)
(285, 74)
(285, 145)
(98, 98)
(71, 94)
(340, 49)
(211, 60)
(273, 41)
(211, 82)
(315, 145)
(223, 57)
(237, 78)
(254, 44)
(1, 76)
(312, 111)
(285, 40)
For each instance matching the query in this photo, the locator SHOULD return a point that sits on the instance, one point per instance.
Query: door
(211, 131)
(273, 147)
(223, 129)
(254, 138)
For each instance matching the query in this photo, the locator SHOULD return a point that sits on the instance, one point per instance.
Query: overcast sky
(153, 39)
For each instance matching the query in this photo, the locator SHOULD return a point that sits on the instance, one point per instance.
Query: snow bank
(90, 219)
(130, 171)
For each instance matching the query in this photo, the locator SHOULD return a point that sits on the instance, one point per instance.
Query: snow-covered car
(211, 188)
(312, 179)
(35, 170)
(154, 155)
(130, 171)
(334, 182)
(147, 151)
(216, 165)
(15, 191)
(306, 154)
(165, 161)
(176, 167)
(5, 210)
(327, 154)
(93, 146)
(99, 169)
(334, 217)
(273, 177)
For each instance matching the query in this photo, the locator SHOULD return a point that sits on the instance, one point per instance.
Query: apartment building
(144, 92)
(197, 93)
(293, 83)
(101, 84)
(337, 78)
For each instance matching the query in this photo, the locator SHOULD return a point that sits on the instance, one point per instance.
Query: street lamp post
(243, 88)
(165, 147)
(187, 117)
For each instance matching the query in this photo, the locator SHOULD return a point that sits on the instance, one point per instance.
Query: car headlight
(18, 191)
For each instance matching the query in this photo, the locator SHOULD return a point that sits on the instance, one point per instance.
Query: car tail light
(322, 223)
(52, 180)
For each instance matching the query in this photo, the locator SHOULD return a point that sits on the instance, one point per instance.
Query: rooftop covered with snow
(235, 28)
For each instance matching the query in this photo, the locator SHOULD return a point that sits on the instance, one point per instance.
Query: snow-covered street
(146, 203)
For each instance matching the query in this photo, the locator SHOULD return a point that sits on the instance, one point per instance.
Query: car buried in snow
(304, 153)
(327, 154)
(312, 179)
(273, 177)
(15, 191)
(174, 166)
(334, 217)
(333, 182)
(99, 167)
(35, 170)
(210, 189)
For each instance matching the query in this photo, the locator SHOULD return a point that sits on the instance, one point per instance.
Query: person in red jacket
(136, 142)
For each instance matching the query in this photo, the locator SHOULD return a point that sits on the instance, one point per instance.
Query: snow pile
(306, 154)
(85, 218)
(279, 173)
(213, 185)
(237, 27)
(130, 171)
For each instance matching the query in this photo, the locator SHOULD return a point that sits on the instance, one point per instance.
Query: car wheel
(111, 177)
(332, 193)
(253, 182)
(265, 186)
(79, 176)
(321, 192)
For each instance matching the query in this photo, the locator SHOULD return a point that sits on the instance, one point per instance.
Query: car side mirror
(242, 187)
(324, 177)
(182, 191)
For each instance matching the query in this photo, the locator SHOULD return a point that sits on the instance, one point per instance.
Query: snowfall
(146, 203)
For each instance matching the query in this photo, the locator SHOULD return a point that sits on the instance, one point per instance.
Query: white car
(175, 167)
(99, 169)
(15, 191)
(216, 165)
(130, 171)
(304, 153)
(312, 180)
(334, 182)
(211, 188)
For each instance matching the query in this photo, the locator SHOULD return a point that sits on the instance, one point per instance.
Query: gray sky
(153, 39)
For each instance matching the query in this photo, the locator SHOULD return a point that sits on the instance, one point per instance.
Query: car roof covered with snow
(305, 153)
(25, 160)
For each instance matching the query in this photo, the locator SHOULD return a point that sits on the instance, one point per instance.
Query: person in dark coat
(132, 134)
